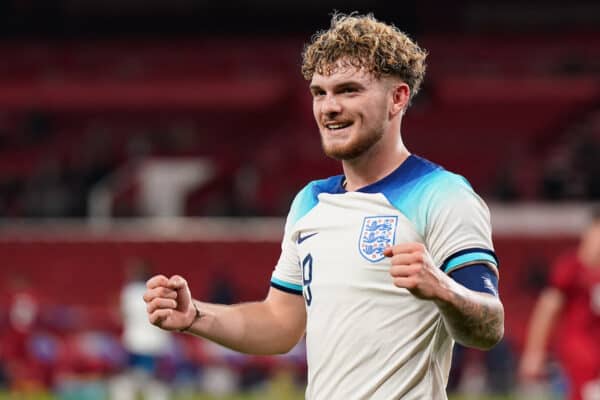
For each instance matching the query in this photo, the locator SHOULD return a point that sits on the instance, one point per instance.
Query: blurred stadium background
(174, 134)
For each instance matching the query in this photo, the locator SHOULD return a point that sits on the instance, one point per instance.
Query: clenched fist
(413, 269)
(169, 303)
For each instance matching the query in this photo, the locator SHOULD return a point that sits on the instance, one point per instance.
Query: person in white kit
(145, 345)
(384, 267)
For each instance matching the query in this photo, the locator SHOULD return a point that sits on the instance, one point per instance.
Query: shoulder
(308, 197)
(421, 181)
(447, 187)
(419, 175)
(438, 180)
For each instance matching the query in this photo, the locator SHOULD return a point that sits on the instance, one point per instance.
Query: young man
(383, 267)
(573, 295)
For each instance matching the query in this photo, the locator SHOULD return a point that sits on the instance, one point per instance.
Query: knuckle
(149, 296)
(176, 282)
(155, 303)
(155, 280)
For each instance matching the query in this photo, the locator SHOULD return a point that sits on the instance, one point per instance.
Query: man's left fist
(413, 269)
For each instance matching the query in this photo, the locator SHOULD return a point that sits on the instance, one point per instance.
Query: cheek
(315, 109)
(373, 109)
(372, 116)
(381, 113)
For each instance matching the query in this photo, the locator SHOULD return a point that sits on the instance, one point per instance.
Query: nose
(331, 105)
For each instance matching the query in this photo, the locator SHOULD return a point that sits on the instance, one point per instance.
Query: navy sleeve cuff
(285, 287)
(477, 277)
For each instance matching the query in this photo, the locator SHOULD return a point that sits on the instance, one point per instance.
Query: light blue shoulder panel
(308, 197)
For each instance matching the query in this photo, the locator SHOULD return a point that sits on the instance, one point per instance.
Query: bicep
(478, 277)
(288, 310)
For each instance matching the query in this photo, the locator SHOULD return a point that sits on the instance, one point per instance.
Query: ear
(400, 96)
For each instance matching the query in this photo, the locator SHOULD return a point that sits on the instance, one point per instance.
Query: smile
(334, 126)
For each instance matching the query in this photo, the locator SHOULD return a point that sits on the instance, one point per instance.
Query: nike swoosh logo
(303, 238)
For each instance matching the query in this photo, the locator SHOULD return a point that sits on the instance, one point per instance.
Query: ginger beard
(353, 147)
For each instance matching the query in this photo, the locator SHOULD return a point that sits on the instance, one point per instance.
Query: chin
(342, 153)
(351, 150)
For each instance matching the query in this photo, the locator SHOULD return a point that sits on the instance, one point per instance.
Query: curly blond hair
(363, 42)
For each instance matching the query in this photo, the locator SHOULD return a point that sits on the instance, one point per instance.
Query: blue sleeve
(477, 277)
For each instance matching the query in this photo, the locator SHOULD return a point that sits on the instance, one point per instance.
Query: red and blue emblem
(376, 234)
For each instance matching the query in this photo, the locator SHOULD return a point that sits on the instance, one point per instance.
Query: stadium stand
(148, 99)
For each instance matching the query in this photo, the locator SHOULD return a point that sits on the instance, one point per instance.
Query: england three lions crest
(376, 234)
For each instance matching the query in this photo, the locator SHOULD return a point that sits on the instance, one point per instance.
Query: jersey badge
(376, 235)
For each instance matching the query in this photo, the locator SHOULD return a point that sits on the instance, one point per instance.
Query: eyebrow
(340, 85)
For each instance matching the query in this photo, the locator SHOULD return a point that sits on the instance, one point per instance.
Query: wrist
(197, 316)
(449, 290)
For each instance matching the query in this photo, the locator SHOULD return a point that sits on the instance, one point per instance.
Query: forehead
(341, 73)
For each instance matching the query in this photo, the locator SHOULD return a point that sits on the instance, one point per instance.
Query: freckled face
(351, 109)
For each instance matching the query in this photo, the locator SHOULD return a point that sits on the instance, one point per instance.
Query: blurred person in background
(573, 297)
(144, 344)
(383, 267)
(23, 373)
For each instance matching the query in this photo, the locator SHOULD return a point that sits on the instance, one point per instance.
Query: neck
(375, 164)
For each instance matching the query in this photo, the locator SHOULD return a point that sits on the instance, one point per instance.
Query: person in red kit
(573, 297)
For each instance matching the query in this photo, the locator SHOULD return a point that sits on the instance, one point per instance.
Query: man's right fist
(169, 303)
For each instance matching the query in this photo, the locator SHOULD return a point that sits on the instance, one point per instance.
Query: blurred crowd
(59, 182)
(567, 170)
(88, 354)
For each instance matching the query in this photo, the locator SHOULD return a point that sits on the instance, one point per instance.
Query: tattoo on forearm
(475, 320)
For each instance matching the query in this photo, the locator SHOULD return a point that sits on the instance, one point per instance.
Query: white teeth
(337, 126)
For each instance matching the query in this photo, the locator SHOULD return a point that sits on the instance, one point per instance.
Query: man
(382, 267)
(573, 293)
(144, 344)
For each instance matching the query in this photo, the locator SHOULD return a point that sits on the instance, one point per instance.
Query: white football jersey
(365, 337)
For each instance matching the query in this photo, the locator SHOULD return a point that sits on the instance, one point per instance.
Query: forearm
(542, 321)
(474, 319)
(253, 328)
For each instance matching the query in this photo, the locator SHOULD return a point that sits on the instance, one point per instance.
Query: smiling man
(383, 267)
